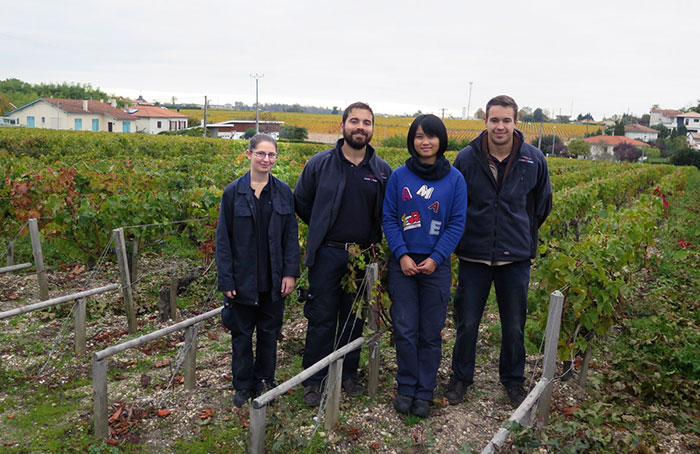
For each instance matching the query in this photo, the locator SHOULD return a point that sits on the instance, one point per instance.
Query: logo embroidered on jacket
(412, 221)
(425, 191)
(406, 194)
(435, 227)
(527, 159)
(370, 177)
(435, 207)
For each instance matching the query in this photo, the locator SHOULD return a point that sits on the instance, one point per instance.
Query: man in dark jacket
(509, 198)
(339, 195)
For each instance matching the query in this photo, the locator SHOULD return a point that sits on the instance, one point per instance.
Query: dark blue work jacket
(236, 249)
(504, 222)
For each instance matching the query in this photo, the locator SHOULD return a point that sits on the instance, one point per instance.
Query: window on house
(30, 122)
(43, 120)
(159, 124)
(95, 124)
(126, 126)
(78, 124)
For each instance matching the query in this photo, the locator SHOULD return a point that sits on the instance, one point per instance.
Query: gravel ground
(366, 424)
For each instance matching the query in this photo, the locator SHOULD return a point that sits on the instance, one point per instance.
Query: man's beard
(357, 145)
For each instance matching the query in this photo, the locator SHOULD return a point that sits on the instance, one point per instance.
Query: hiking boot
(353, 387)
(516, 394)
(420, 408)
(241, 397)
(455, 390)
(312, 395)
(402, 403)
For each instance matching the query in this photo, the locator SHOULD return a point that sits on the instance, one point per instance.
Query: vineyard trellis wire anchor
(125, 278)
(38, 259)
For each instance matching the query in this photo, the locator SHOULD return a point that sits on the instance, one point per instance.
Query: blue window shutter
(95, 124)
(78, 124)
(30, 122)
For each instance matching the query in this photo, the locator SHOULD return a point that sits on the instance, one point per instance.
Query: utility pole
(257, 76)
(205, 116)
(539, 142)
(469, 102)
(443, 113)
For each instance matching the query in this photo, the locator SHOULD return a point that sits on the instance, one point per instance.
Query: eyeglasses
(261, 155)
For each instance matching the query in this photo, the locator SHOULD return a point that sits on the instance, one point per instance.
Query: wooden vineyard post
(134, 261)
(38, 260)
(257, 429)
(79, 322)
(125, 279)
(99, 385)
(551, 343)
(10, 257)
(190, 362)
(174, 282)
(374, 353)
(333, 384)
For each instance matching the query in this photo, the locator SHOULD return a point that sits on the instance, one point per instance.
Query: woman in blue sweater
(425, 208)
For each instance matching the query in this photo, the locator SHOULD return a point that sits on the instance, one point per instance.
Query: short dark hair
(503, 101)
(357, 105)
(432, 126)
(260, 137)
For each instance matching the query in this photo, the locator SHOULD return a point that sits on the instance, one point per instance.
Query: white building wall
(643, 136)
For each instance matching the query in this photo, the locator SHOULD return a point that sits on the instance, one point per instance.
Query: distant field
(388, 126)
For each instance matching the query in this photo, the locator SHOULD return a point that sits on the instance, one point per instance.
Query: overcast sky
(603, 57)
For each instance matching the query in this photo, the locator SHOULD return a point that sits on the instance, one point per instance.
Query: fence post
(99, 384)
(257, 429)
(10, 258)
(134, 261)
(374, 353)
(190, 362)
(79, 323)
(551, 344)
(333, 383)
(38, 260)
(120, 249)
(174, 282)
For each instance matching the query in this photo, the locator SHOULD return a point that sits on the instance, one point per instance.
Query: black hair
(260, 137)
(433, 127)
(357, 105)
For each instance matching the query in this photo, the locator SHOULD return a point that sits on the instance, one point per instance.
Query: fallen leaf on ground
(116, 415)
(207, 413)
(163, 412)
(162, 363)
(11, 416)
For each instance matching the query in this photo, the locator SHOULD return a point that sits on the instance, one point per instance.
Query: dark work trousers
(418, 311)
(511, 283)
(332, 324)
(266, 320)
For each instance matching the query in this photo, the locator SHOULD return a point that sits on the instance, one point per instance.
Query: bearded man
(339, 195)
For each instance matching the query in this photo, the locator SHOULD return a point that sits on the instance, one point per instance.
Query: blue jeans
(329, 311)
(511, 283)
(249, 373)
(418, 311)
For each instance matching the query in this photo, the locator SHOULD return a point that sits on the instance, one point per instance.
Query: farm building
(152, 119)
(75, 114)
(234, 129)
(664, 117)
(639, 132)
(604, 144)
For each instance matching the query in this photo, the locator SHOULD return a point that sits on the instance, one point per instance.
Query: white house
(694, 140)
(666, 117)
(691, 121)
(75, 114)
(639, 132)
(152, 119)
(606, 144)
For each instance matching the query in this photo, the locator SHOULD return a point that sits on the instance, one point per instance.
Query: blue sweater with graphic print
(423, 216)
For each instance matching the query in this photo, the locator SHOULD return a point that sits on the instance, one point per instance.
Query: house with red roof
(73, 114)
(640, 132)
(153, 119)
(601, 145)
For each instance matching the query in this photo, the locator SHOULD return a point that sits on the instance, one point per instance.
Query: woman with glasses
(257, 257)
(425, 207)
